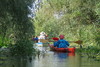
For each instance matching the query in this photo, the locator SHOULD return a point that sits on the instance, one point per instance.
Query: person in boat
(61, 43)
(55, 40)
(42, 35)
(36, 39)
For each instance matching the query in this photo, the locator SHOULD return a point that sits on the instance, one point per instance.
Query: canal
(48, 58)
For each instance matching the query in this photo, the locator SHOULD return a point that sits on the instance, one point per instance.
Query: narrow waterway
(48, 58)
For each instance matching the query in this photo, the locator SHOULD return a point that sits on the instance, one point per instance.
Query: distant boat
(40, 44)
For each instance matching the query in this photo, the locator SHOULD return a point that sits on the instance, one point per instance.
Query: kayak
(71, 50)
(40, 44)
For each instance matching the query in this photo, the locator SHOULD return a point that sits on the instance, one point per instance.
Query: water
(49, 59)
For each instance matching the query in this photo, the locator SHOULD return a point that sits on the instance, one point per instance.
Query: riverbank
(90, 52)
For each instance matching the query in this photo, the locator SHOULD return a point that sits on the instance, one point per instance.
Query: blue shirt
(55, 44)
(36, 39)
(61, 43)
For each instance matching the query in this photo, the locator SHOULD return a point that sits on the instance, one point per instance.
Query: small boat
(40, 44)
(71, 50)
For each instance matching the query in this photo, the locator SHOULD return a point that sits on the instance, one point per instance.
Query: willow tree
(14, 20)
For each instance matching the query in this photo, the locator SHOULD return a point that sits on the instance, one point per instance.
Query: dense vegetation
(76, 19)
(15, 26)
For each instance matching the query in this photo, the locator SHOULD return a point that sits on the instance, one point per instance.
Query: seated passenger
(55, 40)
(36, 39)
(61, 43)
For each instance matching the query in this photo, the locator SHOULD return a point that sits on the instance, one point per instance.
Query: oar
(79, 42)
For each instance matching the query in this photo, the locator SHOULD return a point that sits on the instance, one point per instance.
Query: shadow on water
(15, 61)
(48, 58)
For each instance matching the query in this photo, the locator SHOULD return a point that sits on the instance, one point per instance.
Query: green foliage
(91, 52)
(15, 25)
(76, 19)
(23, 48)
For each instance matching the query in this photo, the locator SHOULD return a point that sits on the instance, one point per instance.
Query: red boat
(71, 50)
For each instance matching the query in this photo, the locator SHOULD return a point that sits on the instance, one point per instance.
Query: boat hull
(71, 50)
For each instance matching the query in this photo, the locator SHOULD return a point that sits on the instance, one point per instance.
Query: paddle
(79, 42)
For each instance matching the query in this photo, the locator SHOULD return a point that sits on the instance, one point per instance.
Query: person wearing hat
(55, 40)
(61, 43)
(42, 35)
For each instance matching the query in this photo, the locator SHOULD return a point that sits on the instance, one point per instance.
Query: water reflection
(48, 58)
(62, 55)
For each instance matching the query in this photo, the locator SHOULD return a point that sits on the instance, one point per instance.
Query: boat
(70, 50)
(40, 44)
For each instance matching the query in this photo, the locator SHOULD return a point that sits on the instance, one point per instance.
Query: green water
(49, 59)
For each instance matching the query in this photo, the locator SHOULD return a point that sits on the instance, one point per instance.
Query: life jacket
(62, 44)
